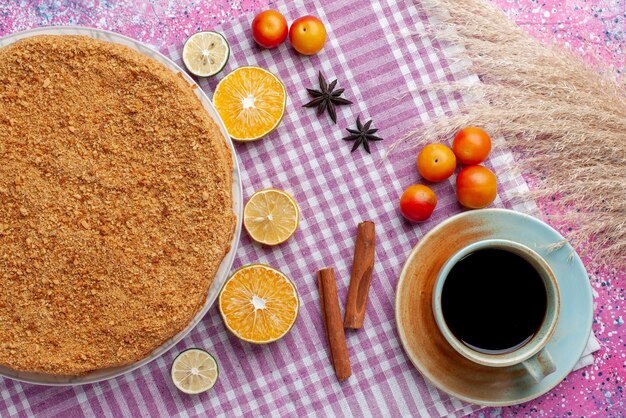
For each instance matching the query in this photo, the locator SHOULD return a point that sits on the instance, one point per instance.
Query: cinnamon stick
(361, 276)
(331, 317)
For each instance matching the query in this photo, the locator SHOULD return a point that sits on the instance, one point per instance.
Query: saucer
(427, 348)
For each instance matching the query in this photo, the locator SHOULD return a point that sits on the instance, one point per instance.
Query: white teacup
(532, 355)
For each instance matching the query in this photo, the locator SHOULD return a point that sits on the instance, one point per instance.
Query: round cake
(115, 204)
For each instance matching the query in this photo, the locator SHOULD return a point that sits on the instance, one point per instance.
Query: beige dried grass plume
(565, 121)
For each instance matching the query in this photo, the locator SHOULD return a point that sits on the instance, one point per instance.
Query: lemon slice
(259, 304)
(194, 371)
(206, 53)
(271, 216)
(251, 101)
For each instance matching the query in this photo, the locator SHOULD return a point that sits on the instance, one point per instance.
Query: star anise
(362, 135)
(326, 98)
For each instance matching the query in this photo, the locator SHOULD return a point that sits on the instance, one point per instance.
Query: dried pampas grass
(565, 121)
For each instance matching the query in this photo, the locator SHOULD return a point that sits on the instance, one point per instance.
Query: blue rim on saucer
(431, 354)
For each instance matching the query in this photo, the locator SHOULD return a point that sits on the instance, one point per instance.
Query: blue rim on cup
(533, 355)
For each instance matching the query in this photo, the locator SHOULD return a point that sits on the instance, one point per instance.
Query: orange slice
(259, 304)
(251, 101)
(271, 216)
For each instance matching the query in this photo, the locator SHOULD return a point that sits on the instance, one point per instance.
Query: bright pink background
(595, 29)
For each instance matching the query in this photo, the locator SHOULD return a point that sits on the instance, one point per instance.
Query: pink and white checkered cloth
(382, 71)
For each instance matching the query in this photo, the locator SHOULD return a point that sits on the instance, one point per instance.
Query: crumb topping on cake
(115, 204)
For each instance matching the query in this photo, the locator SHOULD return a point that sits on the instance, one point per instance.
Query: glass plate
(225, 266)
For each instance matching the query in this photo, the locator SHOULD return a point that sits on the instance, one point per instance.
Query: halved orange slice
(259, 304)
(271, 216)
(251, 101)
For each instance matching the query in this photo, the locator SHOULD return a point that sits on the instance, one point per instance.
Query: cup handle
(540, 365)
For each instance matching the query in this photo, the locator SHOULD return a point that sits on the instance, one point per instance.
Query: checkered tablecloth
(382, 69)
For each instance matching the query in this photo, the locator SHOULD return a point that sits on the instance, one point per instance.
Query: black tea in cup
(494, 301)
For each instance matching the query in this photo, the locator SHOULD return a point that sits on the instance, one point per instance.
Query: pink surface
(595, 29)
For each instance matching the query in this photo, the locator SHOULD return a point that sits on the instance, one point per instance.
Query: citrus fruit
(251, 101)
(259, 304)
(205, 53)
(307, 35)
(194, 371)
(271, 216)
